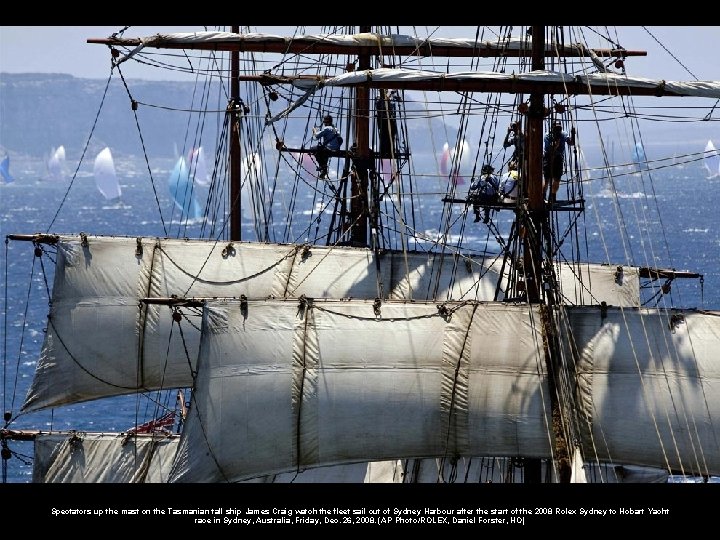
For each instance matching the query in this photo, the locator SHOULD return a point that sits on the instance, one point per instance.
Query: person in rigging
(329, 140)
(515, 137)
(509, 184)
(386, 122)
(484, 190)
(554, 156)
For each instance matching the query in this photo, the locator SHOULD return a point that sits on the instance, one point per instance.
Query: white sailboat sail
(712, 160)
(455, 162)
(56, 164)
(106, 178)
(182, 192)
(197, 165)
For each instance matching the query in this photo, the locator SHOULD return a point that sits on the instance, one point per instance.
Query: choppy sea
(671, 219)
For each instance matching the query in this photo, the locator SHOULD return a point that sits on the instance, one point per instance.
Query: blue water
(679, 231)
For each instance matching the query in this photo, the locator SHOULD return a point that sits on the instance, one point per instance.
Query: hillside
(41, 111)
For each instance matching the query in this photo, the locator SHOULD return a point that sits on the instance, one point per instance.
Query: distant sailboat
(198, 166)
(181, 189)
(56, 164)
(5, 170)
(639, 158)
(452, 166)
(105, 176)
(712, 160)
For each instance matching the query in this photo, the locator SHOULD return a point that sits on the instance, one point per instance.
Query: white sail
(298, 372)
(105, 176)
(500, 470)
(83, 457)
(648, 386)
(712, 160)
(427, 382)
(182, 191)
(121, 334)
(455, 163)
(56, 164)
(197, 166)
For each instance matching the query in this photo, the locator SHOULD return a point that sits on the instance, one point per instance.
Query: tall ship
(391, 279)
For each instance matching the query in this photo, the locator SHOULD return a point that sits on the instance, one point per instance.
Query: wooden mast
(235, 209)
(537, 268)
(359, 203)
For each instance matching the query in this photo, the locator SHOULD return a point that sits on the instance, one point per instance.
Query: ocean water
(676, 226)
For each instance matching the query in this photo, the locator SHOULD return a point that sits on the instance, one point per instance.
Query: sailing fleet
(369, 352)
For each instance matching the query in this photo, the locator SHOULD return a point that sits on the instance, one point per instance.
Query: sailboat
(56, 164)
(712, 160)
(198, 170)
(455, 160)
(106, 179)
(182, 192)
(5, 171)
(639, 158)
(347, 344)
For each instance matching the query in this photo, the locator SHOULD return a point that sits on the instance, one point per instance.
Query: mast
(537, 269)
(235, 158)
(359, 203)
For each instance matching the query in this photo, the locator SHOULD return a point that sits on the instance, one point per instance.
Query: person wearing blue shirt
(328, 140)
(554, 156)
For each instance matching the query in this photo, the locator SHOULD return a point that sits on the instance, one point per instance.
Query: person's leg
(547, 175)
(322, 158)
(556, 173)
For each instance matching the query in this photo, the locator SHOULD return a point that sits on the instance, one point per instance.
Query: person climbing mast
(516, 138)
(554, 156)
(329, 140)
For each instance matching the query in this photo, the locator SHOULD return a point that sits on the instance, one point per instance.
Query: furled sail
(331, 382)
(490, 81)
